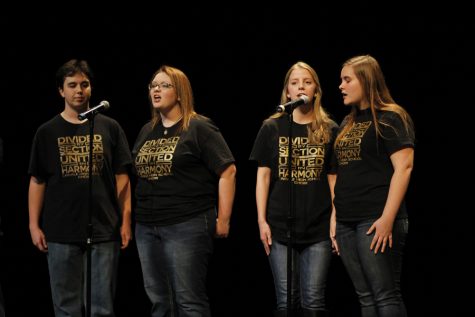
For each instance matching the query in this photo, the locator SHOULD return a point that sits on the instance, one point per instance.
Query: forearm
(397, 191)
(36, 193)
(402, 161)
(124, 197)
(226, 191)
(262, 193)
(331, 184)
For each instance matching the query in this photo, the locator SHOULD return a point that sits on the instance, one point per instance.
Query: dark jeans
(310, 265)
(376, 277)
(174, 262)
(67, 270)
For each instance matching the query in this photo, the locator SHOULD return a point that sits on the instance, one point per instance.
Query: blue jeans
(67, 270)
(310, 265)
(376, 277)
(174, 262)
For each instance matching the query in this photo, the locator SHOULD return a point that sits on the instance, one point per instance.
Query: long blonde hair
(375, 92)
(184, 94)
(319, 131)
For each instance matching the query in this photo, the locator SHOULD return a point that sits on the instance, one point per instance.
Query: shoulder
(345, 121)
(391, 119)
(332, 124)
(103, 119)
(388, 115)
(145, 130)
(270, 123)
(332, 127)
(109, 125)
(202, 123)
(147, 127)
(393, 123)
(50, 124)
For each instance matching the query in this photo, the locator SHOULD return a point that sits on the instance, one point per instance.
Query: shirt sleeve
(262, 149)
(36, 167)
(215, 152)
(395, 134)
(332, 161)
(122, 157)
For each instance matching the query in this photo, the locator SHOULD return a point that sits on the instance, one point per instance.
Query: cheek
(170, 95)
(292, 90)
(358, 93)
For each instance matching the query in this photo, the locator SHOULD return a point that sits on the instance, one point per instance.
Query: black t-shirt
(364, 165)
(59, 156)
(310, 165)
(177, 172)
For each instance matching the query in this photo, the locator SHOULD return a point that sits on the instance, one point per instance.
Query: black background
(236, 57)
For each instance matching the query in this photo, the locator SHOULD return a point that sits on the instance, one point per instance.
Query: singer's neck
(303, 115)
(171, 117)
(71, 115)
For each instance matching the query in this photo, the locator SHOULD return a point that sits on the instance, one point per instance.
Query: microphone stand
(89, 218)
(290, 217)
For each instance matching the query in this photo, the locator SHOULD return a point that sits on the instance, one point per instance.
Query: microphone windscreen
(105, 104)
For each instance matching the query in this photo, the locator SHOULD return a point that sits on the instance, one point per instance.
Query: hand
(266, 236)
(125, 235)
(38, 238)
(383, 235)
(335, 248)
(222, 228)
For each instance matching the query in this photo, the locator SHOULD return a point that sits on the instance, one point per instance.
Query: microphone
(104, 105)
(302, 100)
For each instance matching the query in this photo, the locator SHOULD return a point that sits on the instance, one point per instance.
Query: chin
(80, 107)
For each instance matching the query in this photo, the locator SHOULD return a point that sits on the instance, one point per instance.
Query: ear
(61, 92)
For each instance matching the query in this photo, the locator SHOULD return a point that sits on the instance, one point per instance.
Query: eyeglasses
(161, 86)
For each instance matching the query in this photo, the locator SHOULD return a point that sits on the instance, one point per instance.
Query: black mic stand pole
(89, 217)
(290, 217)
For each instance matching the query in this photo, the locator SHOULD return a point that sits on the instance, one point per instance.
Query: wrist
(261, 221)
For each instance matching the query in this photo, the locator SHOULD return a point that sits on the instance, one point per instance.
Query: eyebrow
(306, 78)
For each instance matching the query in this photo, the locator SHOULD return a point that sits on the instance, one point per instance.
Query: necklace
(165, 131)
